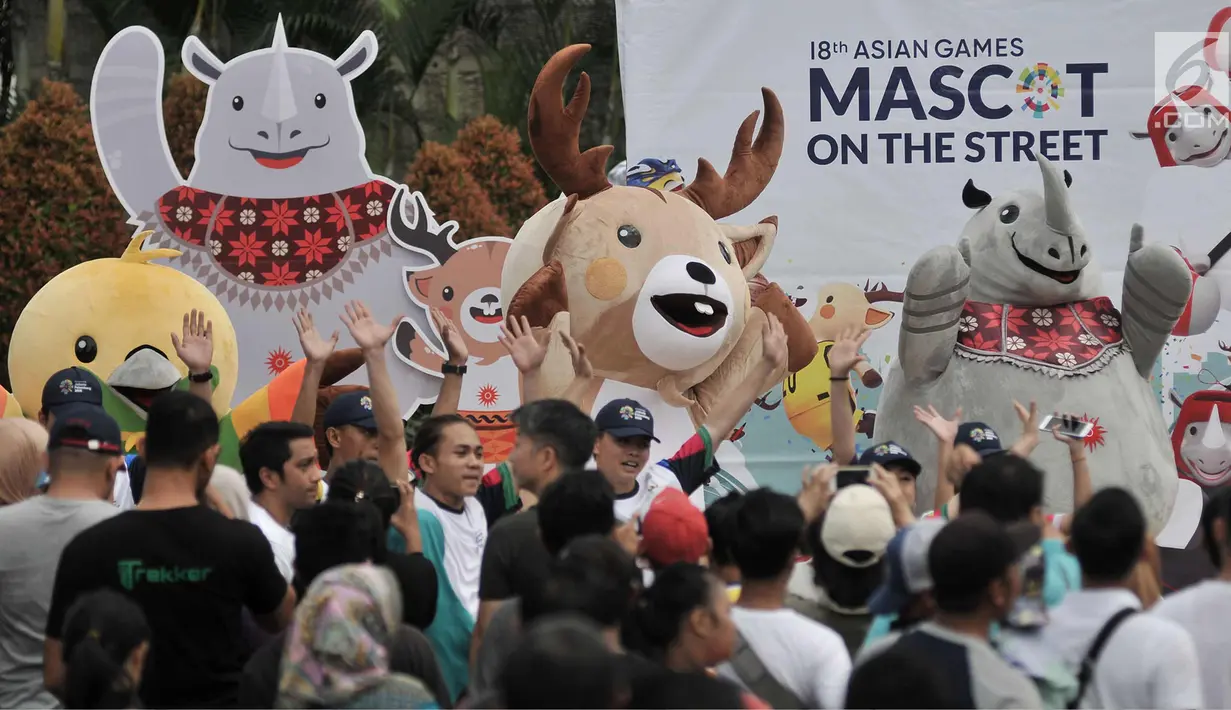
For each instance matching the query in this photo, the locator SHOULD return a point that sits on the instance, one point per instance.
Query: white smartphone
(1072, 428)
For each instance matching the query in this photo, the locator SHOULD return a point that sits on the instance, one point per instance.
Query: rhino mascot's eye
(629, 236)
(726, 253)
(447, 293)
(1171, 136)
(1008, 215)
(85, 349)
(237, 103)
(319, 101)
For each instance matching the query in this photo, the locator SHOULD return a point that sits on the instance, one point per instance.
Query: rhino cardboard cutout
(1016, 311)
(281, 210)
(666, 300)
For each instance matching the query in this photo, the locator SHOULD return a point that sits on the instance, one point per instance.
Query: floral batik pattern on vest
(265, 250)
(1069, 340)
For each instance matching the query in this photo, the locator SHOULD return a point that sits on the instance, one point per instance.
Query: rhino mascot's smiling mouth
(279, 161)
(1064, 277)
(683, 313)
(145, 373)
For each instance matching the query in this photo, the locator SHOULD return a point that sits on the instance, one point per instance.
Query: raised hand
(455, 344)
(1030, 429)
(525, 349)
(1075, 445)
(817, 489)
(369, 335)
(844, 355)
(887, 484)
(581, 363)
(196, 347)
(315, 348)
(945, 430)
(774, 343)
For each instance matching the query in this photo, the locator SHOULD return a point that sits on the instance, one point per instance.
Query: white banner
(892, 105)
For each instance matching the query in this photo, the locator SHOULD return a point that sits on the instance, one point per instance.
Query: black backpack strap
(1096, 648)
(756, 677)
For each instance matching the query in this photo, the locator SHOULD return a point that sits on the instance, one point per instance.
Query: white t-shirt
(808, 658)
(280, 539)
(686, 470)
(1203, 611)
(465, 533)
(1149, 662)
(121, 492)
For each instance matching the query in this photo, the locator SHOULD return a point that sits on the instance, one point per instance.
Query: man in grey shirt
(973, 562)
(84, 452)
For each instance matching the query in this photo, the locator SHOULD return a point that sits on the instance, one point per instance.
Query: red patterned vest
(1068, 340)
(275, 242)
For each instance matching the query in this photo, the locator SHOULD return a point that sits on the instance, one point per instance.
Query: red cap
(674, 530)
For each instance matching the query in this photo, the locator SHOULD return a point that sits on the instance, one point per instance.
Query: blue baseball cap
(888, 454)
(906, 565)
(624, 419)
(351, 408)
(84, 426)
(980, 437)
(74, 385)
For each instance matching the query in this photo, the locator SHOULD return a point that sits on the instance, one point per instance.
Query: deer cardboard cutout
(667, 301)
(281, 210)
(1016, 311)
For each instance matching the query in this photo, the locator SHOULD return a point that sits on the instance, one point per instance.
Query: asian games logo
(1043, 89)
(366, 402)
(66, 386)
(626, 412)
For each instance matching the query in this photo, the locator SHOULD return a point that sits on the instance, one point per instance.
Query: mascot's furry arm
(1157, 285)
(936, 291)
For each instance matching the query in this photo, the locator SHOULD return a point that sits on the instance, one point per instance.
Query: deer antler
(418, 235)
(751, 167)
(555, 129)
(881, 293)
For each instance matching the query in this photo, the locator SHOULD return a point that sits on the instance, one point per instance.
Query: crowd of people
(579, 573)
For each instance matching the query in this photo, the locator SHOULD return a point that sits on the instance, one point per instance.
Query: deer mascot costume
(667, 301)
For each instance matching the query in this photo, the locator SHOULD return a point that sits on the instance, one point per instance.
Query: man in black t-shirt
(191, 569)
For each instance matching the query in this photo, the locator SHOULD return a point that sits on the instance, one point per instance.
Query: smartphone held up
(1067, 426)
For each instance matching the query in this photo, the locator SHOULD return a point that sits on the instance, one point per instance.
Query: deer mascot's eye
(1008, 215)
(447, 293)
(629, 236)
(85, 349)
(726, 253)
(237, 103)
(319, 101)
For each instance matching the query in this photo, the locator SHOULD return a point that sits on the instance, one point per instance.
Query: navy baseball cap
(980, 437)
(84, 426)
(906, 565)
(625, 418)
(890, 454)
(75, 385)
(353, 408)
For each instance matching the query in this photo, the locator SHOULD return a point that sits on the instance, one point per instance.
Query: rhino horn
(1213, 437)
(279, 95)
(1059, 212)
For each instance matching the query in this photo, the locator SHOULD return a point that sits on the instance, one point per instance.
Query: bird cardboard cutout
(667, 301)
(1015, 311)
(281, 210)
(115, 318)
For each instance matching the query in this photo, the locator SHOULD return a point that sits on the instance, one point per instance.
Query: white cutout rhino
(281, 209)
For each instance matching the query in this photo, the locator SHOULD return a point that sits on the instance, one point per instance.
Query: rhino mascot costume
(1016, 311)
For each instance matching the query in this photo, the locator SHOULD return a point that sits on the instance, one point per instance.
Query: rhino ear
(963, 248)
(200, 61)
(973, 197)
(358, 57)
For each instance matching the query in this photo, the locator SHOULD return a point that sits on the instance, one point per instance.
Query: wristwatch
(200, 377)
(449, 369)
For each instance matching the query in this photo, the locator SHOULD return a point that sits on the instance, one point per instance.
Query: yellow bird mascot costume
(115, 317)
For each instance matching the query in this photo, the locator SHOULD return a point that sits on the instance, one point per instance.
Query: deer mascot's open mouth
(699, 316)
(488, 312)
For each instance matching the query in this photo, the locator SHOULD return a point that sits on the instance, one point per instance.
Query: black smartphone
(851, 475)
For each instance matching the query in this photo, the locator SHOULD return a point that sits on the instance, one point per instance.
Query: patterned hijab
(337, 647)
